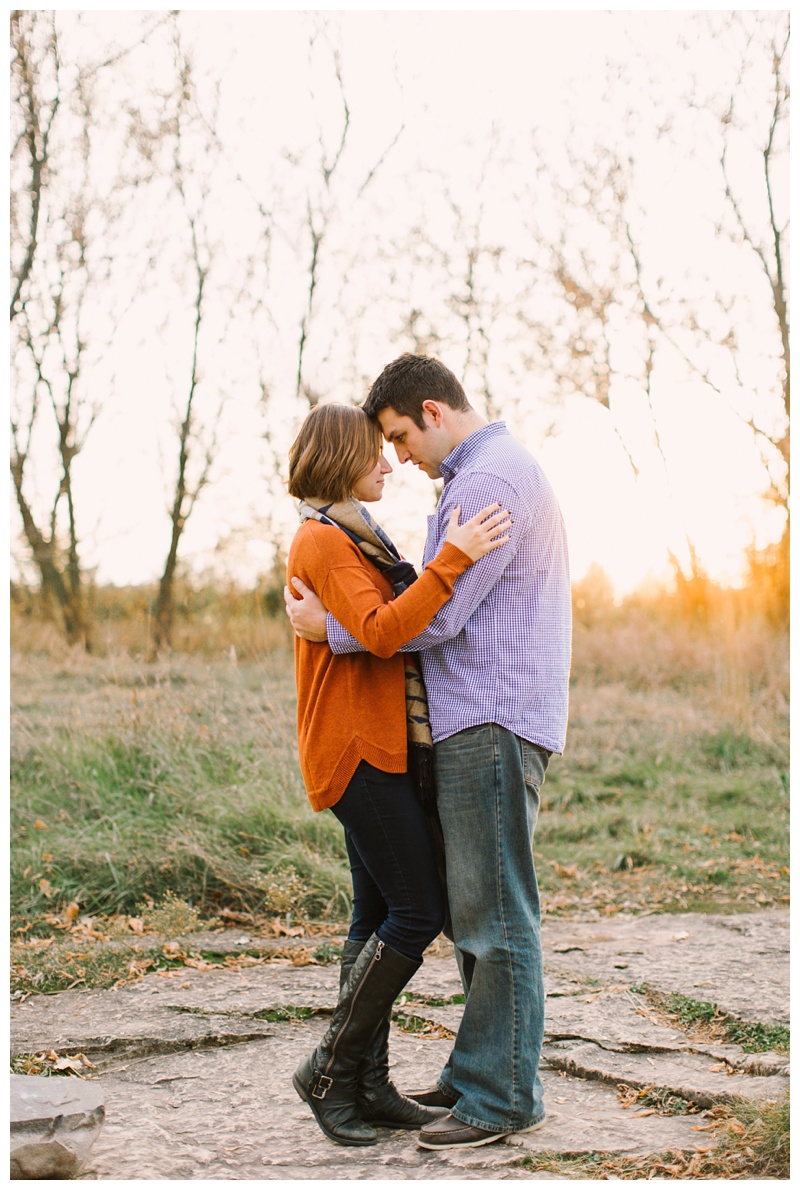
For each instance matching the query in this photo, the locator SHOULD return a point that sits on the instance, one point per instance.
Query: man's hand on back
(306, 612)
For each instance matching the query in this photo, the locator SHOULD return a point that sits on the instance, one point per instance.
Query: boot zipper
(376, 958)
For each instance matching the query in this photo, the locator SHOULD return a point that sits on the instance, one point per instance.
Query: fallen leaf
(198, 964)
(47, 857)
(72, 1064)
(232, 915)
(279, 928)
(40, 825)
(45, 887)
(137, 925)
(650, 1111)
(71, 912)
(568, 873)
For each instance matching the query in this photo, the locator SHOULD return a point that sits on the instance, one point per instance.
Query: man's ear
(434, 411)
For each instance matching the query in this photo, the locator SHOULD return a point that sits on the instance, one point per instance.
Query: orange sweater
(352, 707)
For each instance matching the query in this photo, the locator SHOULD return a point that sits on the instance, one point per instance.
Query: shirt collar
(470, 446)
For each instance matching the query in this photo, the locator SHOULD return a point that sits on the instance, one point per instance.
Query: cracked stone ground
(196, 1072)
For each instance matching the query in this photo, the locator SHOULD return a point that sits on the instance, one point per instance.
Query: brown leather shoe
(433, 1097)
(450, 1133)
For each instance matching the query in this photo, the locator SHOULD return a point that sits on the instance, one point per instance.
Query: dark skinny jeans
(396, 889)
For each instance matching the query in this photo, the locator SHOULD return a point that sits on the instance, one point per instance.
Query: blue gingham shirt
(499, 649)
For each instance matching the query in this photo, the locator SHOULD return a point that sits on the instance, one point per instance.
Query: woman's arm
(345, 581)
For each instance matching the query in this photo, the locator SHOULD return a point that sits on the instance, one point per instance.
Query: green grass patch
(71, 965)
(440, 1001)
(134, 782)
(191, 790)
(287, 1013)
(753, 1036)
(758, 1038)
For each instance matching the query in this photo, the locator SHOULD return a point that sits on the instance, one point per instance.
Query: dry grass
(134, 779)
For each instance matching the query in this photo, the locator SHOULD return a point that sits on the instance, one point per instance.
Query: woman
(353, 747)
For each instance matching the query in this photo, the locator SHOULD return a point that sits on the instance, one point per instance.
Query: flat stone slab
(686, 1075)
(198, 1082)
(738, 961)
(233, 1114)
(184, 1009)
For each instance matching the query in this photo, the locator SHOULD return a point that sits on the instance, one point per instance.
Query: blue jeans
(488, 782)
(397, 893)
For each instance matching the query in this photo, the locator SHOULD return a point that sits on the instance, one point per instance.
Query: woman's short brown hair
(337, 444)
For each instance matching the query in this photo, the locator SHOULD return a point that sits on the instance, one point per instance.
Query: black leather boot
(328, 1080)
(378, 1100)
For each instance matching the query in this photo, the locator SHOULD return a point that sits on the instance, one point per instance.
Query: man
(496, 665)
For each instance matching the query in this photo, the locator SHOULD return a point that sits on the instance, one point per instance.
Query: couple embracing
(438, 837)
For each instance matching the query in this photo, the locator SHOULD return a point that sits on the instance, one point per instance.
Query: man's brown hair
(408, 381)
(337, 444)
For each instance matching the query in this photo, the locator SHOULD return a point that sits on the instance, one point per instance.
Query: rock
(762, 1064)
(47, 1159)
(54, 1123)
(684, 1074)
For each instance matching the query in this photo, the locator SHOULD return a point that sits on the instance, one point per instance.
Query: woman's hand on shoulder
(485, 531)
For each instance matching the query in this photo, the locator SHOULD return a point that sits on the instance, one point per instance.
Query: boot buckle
(321, 1085)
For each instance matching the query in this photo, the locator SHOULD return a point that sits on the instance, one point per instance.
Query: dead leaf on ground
(567, 873)
(280, 929)
(199, 964)
(233, 915)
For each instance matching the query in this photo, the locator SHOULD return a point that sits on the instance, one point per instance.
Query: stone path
(196, 1077)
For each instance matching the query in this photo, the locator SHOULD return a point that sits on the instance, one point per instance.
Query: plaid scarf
(353, 519)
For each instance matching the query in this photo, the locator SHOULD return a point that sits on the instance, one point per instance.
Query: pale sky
(450, 78)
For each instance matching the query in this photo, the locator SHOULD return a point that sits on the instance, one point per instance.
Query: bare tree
(54, 264)
(196, 434)
(67, 195)
(325, 203)
(763, 233)
(626, 310)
